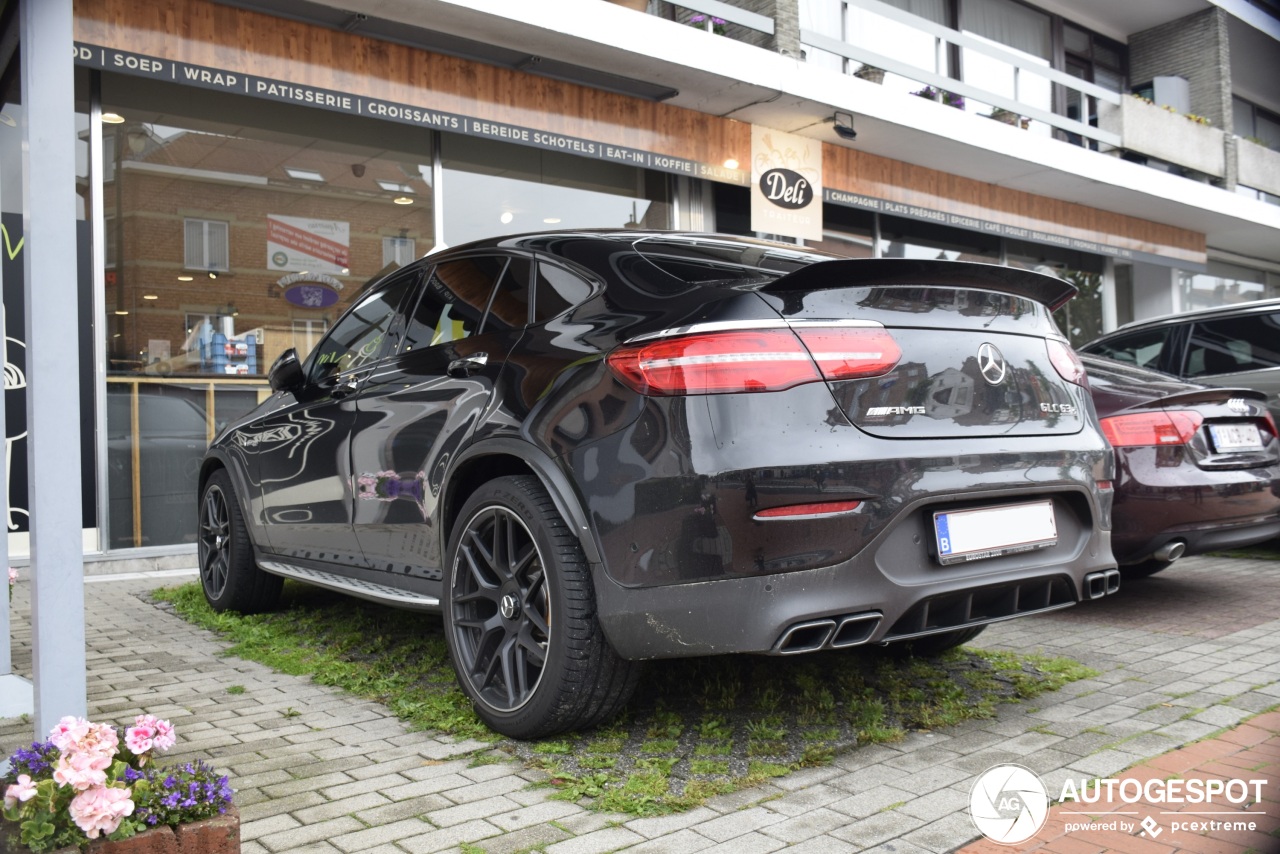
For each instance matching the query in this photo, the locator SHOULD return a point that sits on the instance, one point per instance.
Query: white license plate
(964, 535)
(1235, 437)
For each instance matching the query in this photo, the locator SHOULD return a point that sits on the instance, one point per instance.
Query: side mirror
(286, 373)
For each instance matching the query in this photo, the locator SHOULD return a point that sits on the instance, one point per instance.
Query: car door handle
(468, 365)
(347, 385)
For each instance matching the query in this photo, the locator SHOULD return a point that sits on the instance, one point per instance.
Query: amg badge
(880, 411)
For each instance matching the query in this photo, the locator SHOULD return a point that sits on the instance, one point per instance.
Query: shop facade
(241, 177)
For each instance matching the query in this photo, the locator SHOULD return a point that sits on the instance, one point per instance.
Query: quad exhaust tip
(827, 633)
(1099, 584)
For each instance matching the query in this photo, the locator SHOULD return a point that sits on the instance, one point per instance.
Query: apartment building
(245, 166)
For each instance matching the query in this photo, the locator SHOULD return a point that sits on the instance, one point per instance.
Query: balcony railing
(944, 38)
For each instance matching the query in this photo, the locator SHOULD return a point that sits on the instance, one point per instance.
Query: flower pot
(870, 73)
(217, 835)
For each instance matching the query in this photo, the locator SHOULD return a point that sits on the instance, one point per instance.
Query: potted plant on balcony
(869, 72)
(83, 788)
(1009, 117)
(951, 99)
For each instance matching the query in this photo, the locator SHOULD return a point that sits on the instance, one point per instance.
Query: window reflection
(493, 188)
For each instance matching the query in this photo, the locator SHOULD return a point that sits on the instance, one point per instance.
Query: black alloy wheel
(520, 617)
(501, 612)
(228, 573)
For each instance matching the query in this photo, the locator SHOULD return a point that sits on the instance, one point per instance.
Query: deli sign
(786, 184)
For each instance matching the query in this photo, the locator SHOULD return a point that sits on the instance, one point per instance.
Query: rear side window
(1137, 348)
(1234, 344)
(557, 291)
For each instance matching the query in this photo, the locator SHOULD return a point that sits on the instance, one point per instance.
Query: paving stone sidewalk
(1180, 656)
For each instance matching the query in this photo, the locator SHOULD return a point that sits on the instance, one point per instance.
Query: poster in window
(298, 244)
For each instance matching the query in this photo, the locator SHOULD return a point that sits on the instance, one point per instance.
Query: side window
(359, 337)
(453, 300)
(558, 291)
(1234, 344)
(510, 309)
(1139, 348)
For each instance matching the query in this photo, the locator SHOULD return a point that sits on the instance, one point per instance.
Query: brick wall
(1196, 48)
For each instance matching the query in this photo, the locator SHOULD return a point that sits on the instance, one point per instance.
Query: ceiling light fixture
(185, 278)
(551, 220)
(151, 296)
(121, 311)
(842, 124)
(402, 200)
(731, 164)
(113, 118)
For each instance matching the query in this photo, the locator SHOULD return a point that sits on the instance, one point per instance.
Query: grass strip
(698, 727)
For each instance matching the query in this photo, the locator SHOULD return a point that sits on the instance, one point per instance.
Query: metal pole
(53, 364)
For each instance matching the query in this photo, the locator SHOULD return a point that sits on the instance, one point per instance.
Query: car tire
(229, 574)
(520, 617)
(931, 646)
(1145, 569)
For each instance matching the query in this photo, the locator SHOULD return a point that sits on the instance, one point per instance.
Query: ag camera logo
(1009, 804)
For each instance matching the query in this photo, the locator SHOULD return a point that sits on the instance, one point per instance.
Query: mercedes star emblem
(509, 606)
(991, 363)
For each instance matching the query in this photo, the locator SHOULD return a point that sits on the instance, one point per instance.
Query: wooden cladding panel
(227, 38)
(866, 174)
(224, 37)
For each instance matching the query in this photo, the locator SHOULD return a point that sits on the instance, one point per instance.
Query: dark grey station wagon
(585, 449)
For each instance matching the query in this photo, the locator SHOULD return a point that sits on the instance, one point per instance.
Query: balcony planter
(1148, 129)
(1009, 117)
(870, 73)
(1259, 167)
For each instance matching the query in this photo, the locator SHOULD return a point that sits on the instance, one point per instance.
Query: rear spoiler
(872, 272)
(1215, 394)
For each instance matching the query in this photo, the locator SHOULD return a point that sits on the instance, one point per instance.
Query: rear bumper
(909, 593)
(1160, 498)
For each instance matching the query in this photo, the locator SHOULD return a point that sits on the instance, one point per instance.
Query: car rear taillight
(753, 360)
(1066, 362)
(1151, 429)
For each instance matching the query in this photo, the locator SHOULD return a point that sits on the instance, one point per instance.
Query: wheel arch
(499, 457)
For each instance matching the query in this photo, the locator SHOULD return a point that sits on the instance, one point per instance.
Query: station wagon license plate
(1235, 437)
(965, 535)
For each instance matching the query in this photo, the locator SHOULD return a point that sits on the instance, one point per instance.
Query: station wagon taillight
(753, 360)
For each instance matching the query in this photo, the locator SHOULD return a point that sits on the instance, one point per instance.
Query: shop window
(306, 332)
(398, 251)
(1225, 284)
(492, 188)
(907, 238)
(197, 182)
(206, 246)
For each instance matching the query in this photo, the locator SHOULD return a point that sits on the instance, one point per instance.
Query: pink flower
(165, 737)
(149, 732)
(23, 790)
(13, 576)
(100, 810)
(82, 770)
(67, 730)
(139, 738)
